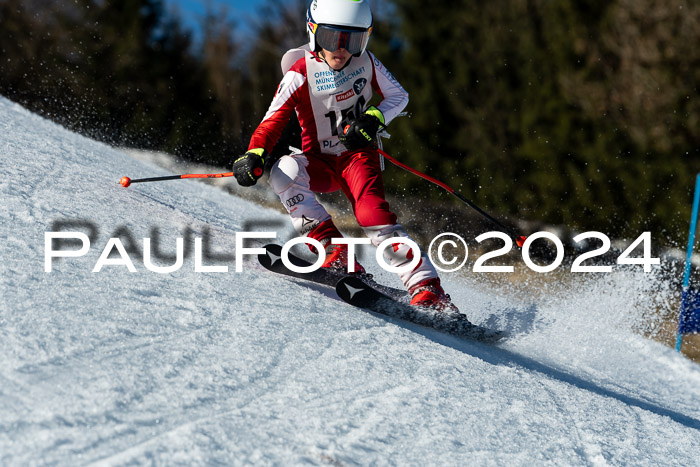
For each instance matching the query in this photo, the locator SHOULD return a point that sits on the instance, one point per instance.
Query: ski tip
(348, 287)
(493, 337)
(272, 254)
(273, 247)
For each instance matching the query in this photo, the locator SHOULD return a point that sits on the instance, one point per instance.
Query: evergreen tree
(535, 108)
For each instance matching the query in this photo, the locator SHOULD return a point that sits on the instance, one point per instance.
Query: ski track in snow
(120, 368)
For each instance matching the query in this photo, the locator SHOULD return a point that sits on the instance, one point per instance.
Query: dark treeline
(584, 113)
(120, 71)
(126, 72)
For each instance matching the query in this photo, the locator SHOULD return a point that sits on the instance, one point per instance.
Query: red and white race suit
(325, 100)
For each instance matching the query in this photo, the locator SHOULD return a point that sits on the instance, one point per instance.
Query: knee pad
(285, 172)
(290, 180)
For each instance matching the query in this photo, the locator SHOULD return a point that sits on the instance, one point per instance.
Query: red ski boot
(337, 258)
(429, 294)
(336, 255)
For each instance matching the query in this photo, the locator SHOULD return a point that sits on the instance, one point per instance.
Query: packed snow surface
(117, 367)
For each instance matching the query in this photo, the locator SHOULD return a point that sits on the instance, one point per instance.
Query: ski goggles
(333, 38)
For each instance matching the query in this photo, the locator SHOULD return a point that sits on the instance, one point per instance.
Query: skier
(329, 83)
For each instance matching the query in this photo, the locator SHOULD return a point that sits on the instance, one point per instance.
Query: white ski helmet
(336, 24)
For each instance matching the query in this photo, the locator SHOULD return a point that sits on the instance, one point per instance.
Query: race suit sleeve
(279, 112)
(394, 97)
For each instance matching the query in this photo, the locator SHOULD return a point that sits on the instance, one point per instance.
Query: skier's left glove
(361, 132)
(249, 167)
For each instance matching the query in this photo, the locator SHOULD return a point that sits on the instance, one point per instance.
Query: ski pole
(519, 239)
(126, 181)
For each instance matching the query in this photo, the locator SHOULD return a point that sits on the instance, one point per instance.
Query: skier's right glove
(249, 167)
(361, 132)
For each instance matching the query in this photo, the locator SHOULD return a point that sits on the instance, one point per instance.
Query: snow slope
(115, 368)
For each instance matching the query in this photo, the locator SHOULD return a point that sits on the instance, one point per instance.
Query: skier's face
(337, 59)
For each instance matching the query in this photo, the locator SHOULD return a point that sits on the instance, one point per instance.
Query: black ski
(359, 294)
(272, 260)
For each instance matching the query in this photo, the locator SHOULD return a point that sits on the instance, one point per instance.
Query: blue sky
(192, 11)
(241, 11)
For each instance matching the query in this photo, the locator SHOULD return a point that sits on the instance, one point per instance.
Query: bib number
(346, 115)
